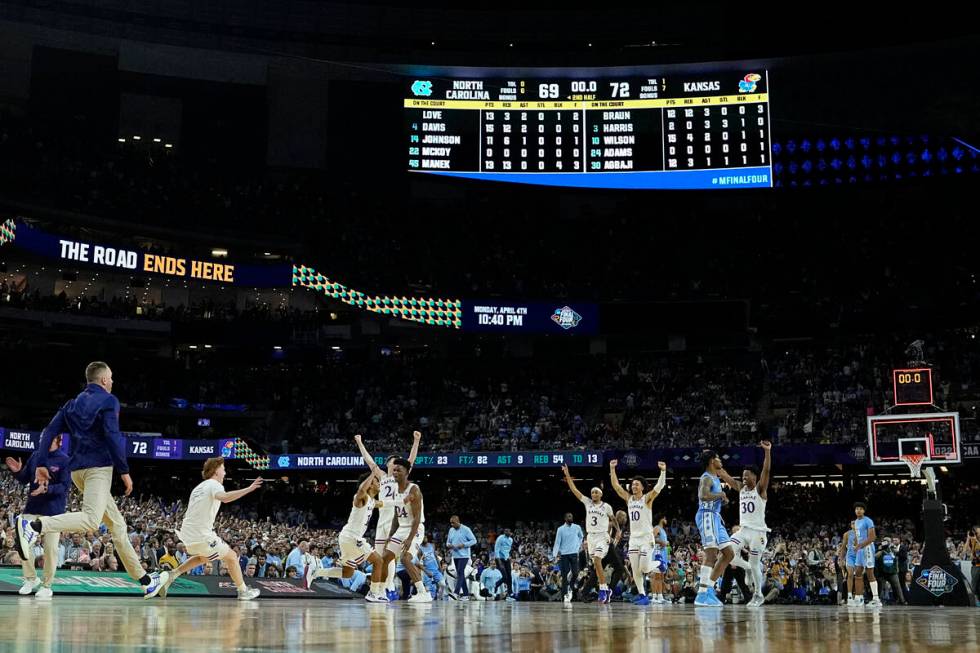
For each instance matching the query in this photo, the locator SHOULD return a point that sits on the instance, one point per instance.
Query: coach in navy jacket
(47, 499)
(92, 419)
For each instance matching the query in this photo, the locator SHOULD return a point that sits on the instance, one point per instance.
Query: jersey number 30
(748, 506)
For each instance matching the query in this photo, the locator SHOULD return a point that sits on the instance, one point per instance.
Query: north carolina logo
(423, 88)
(566, 318)
(284, 461)
(936, 581)
(747, 85)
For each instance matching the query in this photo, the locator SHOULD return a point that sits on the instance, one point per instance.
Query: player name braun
(464, 90)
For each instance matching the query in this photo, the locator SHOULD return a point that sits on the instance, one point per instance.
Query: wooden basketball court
(196, 625)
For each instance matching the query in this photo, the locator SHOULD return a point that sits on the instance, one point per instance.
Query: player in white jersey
(407, 529)
(197, 528)
(386, 493)
(639, 502)
(354, 549)
(753, 533)
(597, 523)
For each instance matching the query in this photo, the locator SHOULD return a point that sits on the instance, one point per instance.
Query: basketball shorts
(642, 546)
(212, 549)
(598, 545)
(398, 545)
(750, 539)
(658, 560)
(353, 550)
(862, 558)
(712, 530)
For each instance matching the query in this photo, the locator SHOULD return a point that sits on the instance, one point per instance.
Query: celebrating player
(714, 537)
(408, 528)
(597, 519)
(386, 493)
(753, 533)
(641, 524)
(197, 529)
(354, 550)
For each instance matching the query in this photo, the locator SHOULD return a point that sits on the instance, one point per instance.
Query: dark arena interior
(402, 326)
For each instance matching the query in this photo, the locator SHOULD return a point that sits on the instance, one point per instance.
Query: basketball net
(914, 461)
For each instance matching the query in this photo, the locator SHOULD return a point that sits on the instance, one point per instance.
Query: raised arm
(615, 481)
(416, 438)
(763, 484)
(571, 484)
(729, 481)
(361, 497)
(235, 495)
(705, 493)
(661, 483)
(369, 461)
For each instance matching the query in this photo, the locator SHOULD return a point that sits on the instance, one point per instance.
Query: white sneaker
(29, 586)
(568, 598)
(375, 598)
(757, 601)
(44, 594)
(249, 594)
(157, 581)
(656, 599)
(421, 597)
(27, 537)
(875, 603)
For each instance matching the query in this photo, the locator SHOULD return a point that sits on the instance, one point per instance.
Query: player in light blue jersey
(430, 567)
(847, 560)
(714, 537)
(863, 535)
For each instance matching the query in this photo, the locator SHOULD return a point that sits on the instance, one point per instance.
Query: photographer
(886, 567)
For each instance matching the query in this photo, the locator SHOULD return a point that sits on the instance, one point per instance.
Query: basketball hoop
(914, 461)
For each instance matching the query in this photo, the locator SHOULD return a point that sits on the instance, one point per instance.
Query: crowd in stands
(273, 535)
(814, 393)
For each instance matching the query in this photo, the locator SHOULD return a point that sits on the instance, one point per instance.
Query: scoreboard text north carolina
(709, 131)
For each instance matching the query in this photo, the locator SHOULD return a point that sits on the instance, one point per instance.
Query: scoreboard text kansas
(704, 131)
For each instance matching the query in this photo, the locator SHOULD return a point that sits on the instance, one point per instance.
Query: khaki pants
(51, 541)
(98, 507)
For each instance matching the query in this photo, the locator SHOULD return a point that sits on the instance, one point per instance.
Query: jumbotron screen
(699, 131)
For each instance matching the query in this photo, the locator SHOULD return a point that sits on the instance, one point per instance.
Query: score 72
(620, 89)
(139, 448)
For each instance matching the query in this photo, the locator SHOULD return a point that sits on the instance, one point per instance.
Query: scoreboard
(692, 131)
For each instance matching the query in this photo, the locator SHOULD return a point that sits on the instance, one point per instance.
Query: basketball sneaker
(707, 598)
(642, 599)
(757, 601)
(249, 594)
(603, 596)
(392, 595)
(27, 537)
(568, 598)
(875, 603)
(29, 586)
(656, 599)
(157, 581)
(420, 597)
(44, 594)
(375, 598)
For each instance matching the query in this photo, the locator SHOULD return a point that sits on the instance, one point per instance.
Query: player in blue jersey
(714, 537)
(863, 560)
(845, 555)
(430, 567)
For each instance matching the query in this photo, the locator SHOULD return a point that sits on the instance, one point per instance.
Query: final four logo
(566, 318)
(936, 581)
